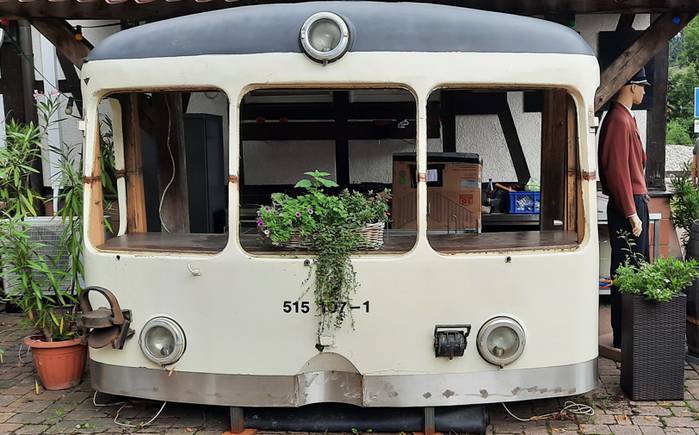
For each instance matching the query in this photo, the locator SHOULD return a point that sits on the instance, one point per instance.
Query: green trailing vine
(329, 225)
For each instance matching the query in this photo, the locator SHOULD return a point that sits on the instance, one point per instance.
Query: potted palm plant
(333, 226)
(653, 325)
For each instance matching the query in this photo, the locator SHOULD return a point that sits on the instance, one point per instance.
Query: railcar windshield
(506, 174)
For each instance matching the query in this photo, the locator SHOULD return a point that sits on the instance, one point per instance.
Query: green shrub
(678, 132)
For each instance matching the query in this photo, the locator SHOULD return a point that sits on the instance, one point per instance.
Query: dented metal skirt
(343, 387)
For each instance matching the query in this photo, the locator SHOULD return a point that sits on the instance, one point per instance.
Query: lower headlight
(501, 341)
(162, 340)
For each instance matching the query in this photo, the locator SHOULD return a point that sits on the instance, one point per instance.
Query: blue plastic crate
(525, 202)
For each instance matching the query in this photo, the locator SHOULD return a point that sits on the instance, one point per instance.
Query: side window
(165, 154)
(504, 173)
(362, 140)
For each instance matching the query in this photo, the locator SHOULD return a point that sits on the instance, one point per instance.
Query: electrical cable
(122, 405)
(172, 160)
(140, 425)
(101, 405)
(98, 26)
(569, 408)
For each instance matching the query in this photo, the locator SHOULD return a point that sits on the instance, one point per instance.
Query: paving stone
(668, 403)
(6, 400)
(557, 425)
(623, 419)
(658, 411)
(8, 427)
(27, 418)
(681, 422)
(681, 411)
(34, 406)
(4, 416)
(601, 429)
(646, 420)
(678, 431)
(652, 430)
(602, 419)
(30, 429)
(625, 430)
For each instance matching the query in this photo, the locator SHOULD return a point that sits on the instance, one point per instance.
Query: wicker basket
(372, 233)
(653, 348)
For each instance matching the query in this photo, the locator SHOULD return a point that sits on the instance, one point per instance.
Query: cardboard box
(453, 192)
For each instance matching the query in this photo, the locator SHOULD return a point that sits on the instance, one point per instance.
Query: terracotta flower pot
(59, 364)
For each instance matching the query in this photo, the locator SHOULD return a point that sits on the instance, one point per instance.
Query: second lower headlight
(501, 340)
(162, 340)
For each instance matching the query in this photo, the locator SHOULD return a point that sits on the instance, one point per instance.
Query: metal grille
(47, 231)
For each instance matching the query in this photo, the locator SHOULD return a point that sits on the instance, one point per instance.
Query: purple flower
(298, 214)
(267, 209)
(260, 223)
(311, 211)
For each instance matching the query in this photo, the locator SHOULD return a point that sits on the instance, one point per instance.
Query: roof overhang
(160, 9)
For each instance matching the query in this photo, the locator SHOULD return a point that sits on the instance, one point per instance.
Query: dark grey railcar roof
(374, 26)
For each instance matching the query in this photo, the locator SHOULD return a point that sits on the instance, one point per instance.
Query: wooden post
(448, 118)
(573, 177)
(11, 71)
(341, 103)
(656, 123)
(135, 196)
(94, 183)
(174, 213)
(553, 157)
(638, 54)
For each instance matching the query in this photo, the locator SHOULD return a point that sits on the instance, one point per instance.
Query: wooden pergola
(650, 45)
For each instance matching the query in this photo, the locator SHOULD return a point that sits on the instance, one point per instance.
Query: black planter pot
(653, 348)
(692, 292)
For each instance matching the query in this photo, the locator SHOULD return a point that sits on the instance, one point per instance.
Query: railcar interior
(517, 189)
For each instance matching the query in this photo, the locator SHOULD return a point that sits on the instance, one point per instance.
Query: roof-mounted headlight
(325, 37)
(501, 341)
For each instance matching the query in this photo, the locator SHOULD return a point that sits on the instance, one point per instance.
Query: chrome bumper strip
(344, 387)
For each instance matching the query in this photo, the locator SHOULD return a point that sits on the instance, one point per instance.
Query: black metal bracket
(450, 340)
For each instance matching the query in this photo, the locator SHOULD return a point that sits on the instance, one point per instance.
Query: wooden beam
(159, 10)
(174, 213)
(638, 54)
(514, 145)
(625, 22)
(553, 157)
(135, 196)
(341, 102)
(656, 123)
(61, 34)
(73, 81)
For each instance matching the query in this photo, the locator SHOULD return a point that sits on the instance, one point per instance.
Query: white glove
(636, 225)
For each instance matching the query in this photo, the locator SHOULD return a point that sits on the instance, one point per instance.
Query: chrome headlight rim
(490, 326)
(180, 341)
(325, 56)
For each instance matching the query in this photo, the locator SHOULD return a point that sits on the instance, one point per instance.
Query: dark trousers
(616, 222)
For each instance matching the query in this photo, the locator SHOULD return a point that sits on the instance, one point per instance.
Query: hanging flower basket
(372, 235)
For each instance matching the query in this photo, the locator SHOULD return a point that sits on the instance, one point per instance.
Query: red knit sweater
(622, 160)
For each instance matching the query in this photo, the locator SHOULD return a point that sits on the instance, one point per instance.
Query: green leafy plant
(684, 203)
(330, 225)
(36, 282)
(658, 281)
(42, 286)
(22, 148)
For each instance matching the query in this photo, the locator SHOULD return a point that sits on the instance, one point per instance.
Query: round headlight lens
(501, 341)
(324, 36)
(162, 340)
